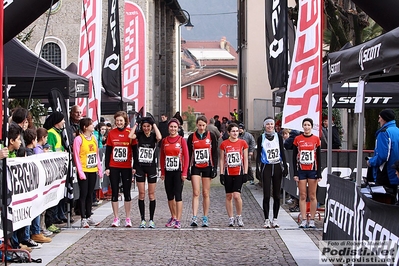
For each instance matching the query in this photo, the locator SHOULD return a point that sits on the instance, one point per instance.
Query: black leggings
(86, 188)
(173, 185)
(271, 173)
(126, 175)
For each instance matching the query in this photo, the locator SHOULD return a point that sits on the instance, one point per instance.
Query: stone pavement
(216, 245)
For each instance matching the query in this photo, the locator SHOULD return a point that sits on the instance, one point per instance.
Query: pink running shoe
(171, 222)
(116, 222)
(177, 224)
(128, 222)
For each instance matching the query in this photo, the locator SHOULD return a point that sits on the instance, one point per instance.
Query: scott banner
(276, 42)
(134, 68)
(350, 215)
(303, 96)
(37, 183)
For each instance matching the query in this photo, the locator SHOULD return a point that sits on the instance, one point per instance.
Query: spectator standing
(118, 165)
(163, 126)
(31, 143)
(271, 165)
(87, 162)
(146, 166)
(213, 129)
(41, 147)
(336, 140)
(203, 151)
(307, 170)
(55, 125)
(217, 122)
(74, 117)
(174, 160)
(249, 138)
(386, 151)
(233, 163)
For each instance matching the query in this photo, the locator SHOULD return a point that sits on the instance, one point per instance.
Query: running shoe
(275, 223)
(91, 222)
(143, 224)
(177, 224)
(194, 221)
(311, 224)
(84, 223)
(128, 222)
(31, 244)
(47, 233)
(54, 229)
(171, 222)
(303, 224)
(231, 221)
(239, 221)
(116, 222)
(151, 224)
(267, 224)
(205, 222)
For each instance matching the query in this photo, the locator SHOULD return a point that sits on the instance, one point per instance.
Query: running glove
(221, 179)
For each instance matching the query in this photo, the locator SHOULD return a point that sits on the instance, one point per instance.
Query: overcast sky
(212, 19)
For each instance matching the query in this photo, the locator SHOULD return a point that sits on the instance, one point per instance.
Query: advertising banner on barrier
(37, 183)
(351, 215)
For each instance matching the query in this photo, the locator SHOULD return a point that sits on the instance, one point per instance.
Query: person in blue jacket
(386, 151)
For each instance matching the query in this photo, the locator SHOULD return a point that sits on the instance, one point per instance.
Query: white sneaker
(231, 221)
(275, 223)
(239, 221)
(84, 223)
(303, 224)
(311, 224)
(91, 222)
(266, 224)
(116, 222)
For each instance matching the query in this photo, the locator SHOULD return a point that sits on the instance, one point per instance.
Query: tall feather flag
(89, 62)
(57, 103)
(134, 54)
(303, 96)
(111, 72)
(276, 42)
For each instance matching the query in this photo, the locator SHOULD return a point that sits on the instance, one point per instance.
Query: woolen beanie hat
(387, 115)
(241, 125)
(53, 119)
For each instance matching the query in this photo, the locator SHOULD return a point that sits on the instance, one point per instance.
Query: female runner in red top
(233, 163)
(307, 171)
(174, 165)
(202, 147)
(118, 165)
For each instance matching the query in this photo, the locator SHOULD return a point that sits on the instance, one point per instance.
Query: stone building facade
(163, 21)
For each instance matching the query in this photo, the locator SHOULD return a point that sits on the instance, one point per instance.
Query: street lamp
(220, 95)
(188, 25)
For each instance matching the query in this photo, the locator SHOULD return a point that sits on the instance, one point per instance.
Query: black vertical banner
(276, 42)
(111, 74)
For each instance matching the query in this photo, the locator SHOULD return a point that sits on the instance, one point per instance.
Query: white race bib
(172, 163)
(146, 155)
(120, 154)
(233, 159)
(91, 160)
(201, 156)
(306, 157)
(273, 155)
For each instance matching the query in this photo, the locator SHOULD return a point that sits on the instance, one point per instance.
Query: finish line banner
(350, 215)
(36, 183)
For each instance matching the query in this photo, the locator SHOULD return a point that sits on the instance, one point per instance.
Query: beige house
(257, 100)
